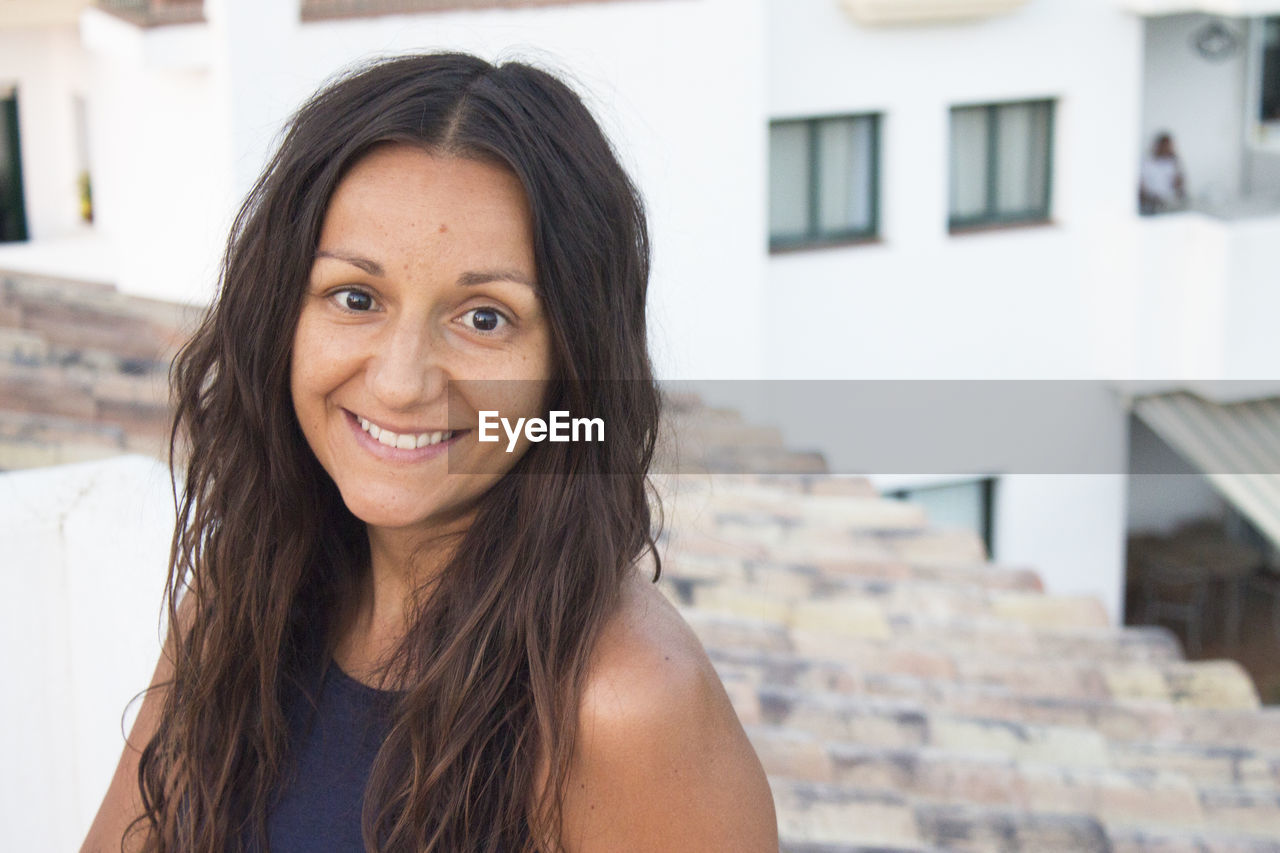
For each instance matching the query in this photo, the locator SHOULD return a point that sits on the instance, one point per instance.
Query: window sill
(817, 245)
(986, 227)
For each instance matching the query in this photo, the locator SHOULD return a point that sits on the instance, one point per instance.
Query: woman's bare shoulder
(646, 639)
(662, 762)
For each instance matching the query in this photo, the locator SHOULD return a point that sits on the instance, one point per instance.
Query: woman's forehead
(405, 202)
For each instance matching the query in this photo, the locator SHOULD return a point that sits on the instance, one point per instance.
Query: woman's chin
(408, 518)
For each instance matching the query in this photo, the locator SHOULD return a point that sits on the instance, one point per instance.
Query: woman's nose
(408, 370)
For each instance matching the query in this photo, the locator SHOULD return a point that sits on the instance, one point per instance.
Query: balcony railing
(153, 13)
(1239, 207)
(314, 10)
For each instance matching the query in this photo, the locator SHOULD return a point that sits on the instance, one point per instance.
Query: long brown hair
(494, 661)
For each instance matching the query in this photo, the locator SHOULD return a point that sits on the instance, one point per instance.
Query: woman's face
(424, 274)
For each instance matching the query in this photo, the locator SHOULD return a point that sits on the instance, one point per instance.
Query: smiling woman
(370, 650)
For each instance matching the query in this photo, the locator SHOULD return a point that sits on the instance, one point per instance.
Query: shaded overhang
(1235, 445)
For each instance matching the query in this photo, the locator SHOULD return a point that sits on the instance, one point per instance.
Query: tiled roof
(321, 9)
(83, 370)
(904, 692)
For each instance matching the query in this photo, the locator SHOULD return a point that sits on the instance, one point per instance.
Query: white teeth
(404, 442)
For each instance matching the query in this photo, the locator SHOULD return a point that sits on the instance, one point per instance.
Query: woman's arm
(662, 762)
(123, 801)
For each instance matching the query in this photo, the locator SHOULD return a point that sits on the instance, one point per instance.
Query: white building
(839, 190)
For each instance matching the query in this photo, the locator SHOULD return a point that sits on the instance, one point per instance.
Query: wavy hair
(493, 664)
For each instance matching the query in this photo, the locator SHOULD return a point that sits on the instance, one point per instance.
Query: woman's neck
(403, 567)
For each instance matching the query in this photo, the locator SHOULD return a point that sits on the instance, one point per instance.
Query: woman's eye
(484, 319)
(353, 300)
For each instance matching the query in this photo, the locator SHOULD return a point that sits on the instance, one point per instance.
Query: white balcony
(889, 12)
(1207, 298)
(1208, 82)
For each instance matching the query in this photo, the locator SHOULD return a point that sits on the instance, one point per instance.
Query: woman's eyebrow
(484, 276)
(371, 267)
(467, 279)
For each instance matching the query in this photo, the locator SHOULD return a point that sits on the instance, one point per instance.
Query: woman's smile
(405, 444)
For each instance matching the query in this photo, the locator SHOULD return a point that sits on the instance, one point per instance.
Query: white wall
(1069, 529)
(1200, 102)
(1043, 302)
(161, 163)
(923, 303)
(1179, 297)
(83, 551)
(679, 87)
(1203, 303)
(45, 64)
(1252, 300)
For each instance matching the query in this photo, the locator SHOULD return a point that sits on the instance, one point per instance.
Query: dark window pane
(1022, 145)
(1269, 108)
(846, 150)
(789, 180)
(13, 222)
(968, 162)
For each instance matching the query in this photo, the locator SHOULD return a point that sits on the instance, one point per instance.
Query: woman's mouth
(407, 446)
(404, 441)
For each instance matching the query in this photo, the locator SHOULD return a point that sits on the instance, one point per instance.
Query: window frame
(990, 217)
(1260, 134)
(814, 236)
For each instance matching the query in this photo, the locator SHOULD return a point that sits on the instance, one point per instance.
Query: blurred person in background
(1162, 184)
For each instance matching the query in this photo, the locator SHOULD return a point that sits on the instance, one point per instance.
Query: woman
(391, 635)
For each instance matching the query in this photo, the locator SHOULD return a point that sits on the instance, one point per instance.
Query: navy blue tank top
(319, 804)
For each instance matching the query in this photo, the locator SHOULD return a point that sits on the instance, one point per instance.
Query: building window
(823, 180)
(1269, 81)
(1001, 163)
(13, 213)
(969, 505)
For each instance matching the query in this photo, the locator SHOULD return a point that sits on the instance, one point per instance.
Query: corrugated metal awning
(1236, 446)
